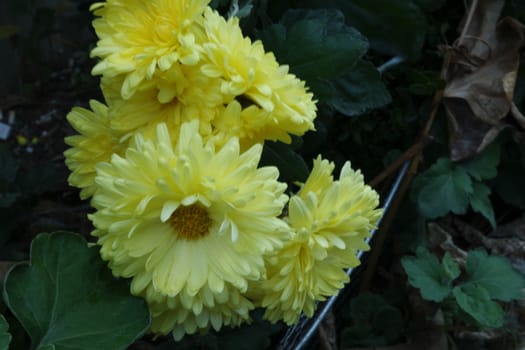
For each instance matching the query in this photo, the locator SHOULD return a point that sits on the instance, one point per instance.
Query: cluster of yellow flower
(170, 162)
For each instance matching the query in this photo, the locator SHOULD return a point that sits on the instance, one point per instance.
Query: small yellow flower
(138, 38)
(330, 220)
(95, 143)
(190, 224)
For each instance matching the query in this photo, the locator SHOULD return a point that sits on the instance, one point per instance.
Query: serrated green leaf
(316, 44)
(359, 91)
(480, 202)
(495, 274)
(443, 188)
(394, 27)
(427, 274)
(485, 165)
(475, 300)
(5, 336)
(292, 166)
(450, 267)
(77, 304)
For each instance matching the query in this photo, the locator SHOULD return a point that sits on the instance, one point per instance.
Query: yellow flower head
(95, 143)
(274, 103)
(190, 224)
(138, 38)
(331, 220)
(180, 94)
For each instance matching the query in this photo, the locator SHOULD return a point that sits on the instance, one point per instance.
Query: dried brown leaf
(481, 76)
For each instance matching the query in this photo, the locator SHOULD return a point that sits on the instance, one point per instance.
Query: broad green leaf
(316, 44)
(450, 267)
(444, 187)
(292, 166)
(475, 300)
(427, 274)
(359, 91)
(394, 27)
(480, 201)
(66, 298)
(5, 336)
(484, 165)
(495, 274)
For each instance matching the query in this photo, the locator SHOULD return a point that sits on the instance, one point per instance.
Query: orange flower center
(191, 222)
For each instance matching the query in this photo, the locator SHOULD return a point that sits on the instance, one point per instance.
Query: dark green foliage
(19, 187)
(5, 336)
(375, 322)
(292, 166)
(474, 290)
(77, 304)
(451, 187)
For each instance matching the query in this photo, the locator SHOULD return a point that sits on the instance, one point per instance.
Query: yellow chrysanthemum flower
(274, 102)
(138, 38)
(190, 224)
(331, 220)
(165, 61)
(95, 143)
(181, 94)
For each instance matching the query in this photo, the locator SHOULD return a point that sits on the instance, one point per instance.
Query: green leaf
(292, 166)
(484, 165)
(316, 44)
(359, 91)
(427, 274)
(495, 274)
(5, 336)
(475, 301)
(444, 187)
(450, 266)
(394, 27)
(66, 298)
(480, 202)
